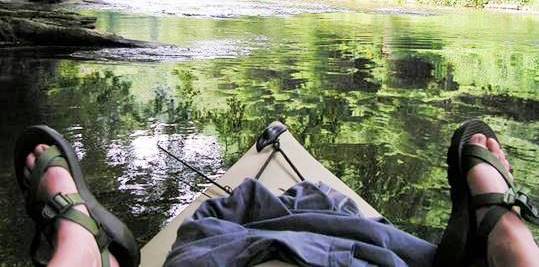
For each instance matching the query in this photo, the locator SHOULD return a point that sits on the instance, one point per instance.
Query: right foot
(483, 178)
(510, 243)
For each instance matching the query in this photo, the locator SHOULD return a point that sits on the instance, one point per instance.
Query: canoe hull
(277, 177)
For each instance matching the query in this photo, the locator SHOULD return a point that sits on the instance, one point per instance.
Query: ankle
(511, 243)
(509, 228)
(74, 245)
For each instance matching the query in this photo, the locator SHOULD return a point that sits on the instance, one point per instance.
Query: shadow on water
(374, 107)
(23, 103)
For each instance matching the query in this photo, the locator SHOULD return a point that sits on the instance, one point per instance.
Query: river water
(373, 94)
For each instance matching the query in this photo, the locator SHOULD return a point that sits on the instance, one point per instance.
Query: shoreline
(50, 25)
(413, 6)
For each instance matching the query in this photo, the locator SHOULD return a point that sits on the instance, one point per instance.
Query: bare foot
(74, 245)
(510, 243)
(484, 178)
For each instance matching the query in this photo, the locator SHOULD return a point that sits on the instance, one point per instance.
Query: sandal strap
(509, 199)
(489, 199)
(105, 261)
(61, 206)
(51, 157)
(493, 215)
(477, 154)
(528, 209)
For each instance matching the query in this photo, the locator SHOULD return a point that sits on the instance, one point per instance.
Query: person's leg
(74, 245)
(510, 243)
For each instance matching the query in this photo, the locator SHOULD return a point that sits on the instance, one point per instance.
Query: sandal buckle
(524, 202)
(48, 213)
(510, 197)
(60, 203)
(57, 204)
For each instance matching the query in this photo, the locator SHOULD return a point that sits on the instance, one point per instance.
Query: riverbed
(374, 94)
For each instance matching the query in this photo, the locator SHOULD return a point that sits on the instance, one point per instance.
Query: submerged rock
(30, 25)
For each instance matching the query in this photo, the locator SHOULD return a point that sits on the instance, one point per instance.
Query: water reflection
(23, 102)
(198, 50)
(374, 97)
(208, 8)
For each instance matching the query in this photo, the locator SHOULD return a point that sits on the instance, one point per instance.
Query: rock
(29, 25)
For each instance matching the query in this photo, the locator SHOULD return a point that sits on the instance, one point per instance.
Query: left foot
(74, 245)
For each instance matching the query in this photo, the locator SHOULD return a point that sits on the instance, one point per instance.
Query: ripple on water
(214, 9)
(374, 97)
(151, 176)
(211, 49)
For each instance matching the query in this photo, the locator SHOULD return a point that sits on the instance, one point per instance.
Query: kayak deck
(277, 177)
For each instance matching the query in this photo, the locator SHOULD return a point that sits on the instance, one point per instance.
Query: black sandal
(463, 243)
(112, 236)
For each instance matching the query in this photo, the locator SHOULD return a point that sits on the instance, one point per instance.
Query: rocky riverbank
(28, 25)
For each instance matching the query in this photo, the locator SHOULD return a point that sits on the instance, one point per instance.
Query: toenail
(478, 139)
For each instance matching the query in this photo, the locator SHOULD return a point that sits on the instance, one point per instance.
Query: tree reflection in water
(375, 98)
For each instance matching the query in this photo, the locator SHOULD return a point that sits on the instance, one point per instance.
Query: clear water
(373, 95)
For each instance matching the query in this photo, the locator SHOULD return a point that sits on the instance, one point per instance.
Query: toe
(479, 139)
(507, 165)
(33, 156)
(30, 161)
(480, 177)
(39, 149)
(494, 147)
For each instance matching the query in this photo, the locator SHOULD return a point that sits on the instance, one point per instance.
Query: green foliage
(471, 3)
(185, 90)
(101, 101)
(374, 98)
(229, 123)
(174, 106)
